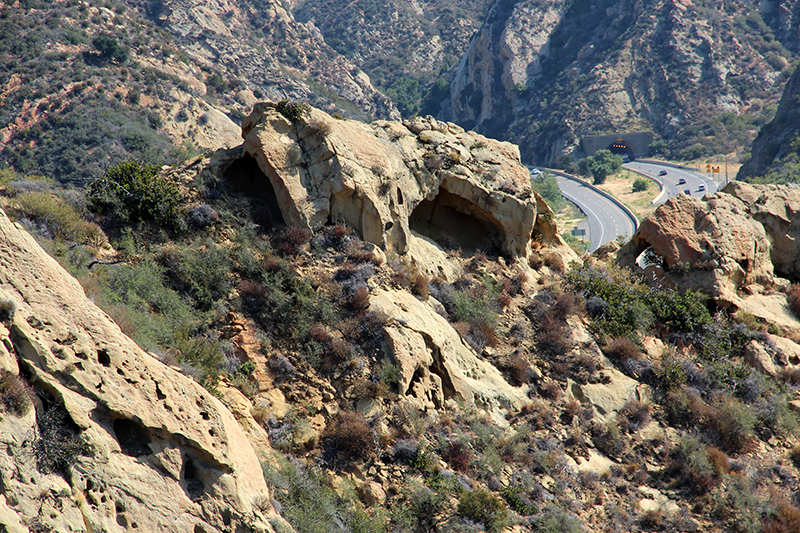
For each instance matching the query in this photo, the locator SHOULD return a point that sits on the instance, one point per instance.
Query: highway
(606, 219)
(671, 180)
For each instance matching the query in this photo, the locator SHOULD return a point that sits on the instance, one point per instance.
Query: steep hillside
(416, 351)
(405, 47)
(84, 86)
(703, 75)
(776, 151)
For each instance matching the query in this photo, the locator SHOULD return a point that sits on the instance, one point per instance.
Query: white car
(535, 172)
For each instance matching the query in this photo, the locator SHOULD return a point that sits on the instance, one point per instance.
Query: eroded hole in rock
(194, 487)
(103, 358)
(133, 439)
(245, 176)
(449, 216)
(160, 395)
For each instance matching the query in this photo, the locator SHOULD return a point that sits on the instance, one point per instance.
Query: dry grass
(621, 187)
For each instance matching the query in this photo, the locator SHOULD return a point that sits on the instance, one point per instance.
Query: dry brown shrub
(622, 349)
(535, 261)
(420, 286)
(785, 519)
(318, 128)
(555, 262)
(358, 300)
(551, 390)
(292, 239)
(793, 299)
(719, 460)
(352, 436)
(16, 396)
(457, 456)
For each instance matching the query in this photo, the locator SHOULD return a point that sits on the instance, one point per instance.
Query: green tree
(658, 147)
(640, 184)
(604, 164)
(547, 186)
(109, 48)
(134, 191)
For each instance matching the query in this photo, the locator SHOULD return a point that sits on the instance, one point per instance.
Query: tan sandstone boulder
(161, 453)
(435, 363)
(709, 244)
(777, 208)
(393, 182)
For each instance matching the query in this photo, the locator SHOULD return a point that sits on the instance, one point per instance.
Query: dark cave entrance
(245, 176)
(445, 218)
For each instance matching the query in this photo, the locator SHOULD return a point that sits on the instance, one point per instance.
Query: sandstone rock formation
(151, 449)
(724, 250)
(435, 362)
(777, 209)
(395, 183)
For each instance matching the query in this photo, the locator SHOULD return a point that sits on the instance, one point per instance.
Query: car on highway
(662, 173)
(536, 172)
(687, 191)
(681, 181)
(701, 188)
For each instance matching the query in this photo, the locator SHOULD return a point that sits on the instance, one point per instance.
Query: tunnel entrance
(622, 147)
(446, 216)
(244, 176)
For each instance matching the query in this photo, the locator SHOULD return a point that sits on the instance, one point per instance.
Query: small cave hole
(245, 176)
(160, 395)
(446, 216)
(194, 487)
(133, 439)
(120, 372)
(399, 196)
(103, 358)
(204, 415)
(227, 517)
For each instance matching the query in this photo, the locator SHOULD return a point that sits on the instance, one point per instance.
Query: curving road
(606, 219)
(671, 181)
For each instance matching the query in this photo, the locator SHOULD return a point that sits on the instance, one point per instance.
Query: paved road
(671, 180)
(606, 219)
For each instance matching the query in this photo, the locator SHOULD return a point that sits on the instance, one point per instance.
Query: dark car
(681, 181)
(687, 191)
(662, 173)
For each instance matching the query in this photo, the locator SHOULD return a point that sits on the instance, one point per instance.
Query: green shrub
(640, 184)
(555, 520)
(62, 220)
(133, 191)
(204, 356)
(485, 507)
(201, 270)
(733, 423)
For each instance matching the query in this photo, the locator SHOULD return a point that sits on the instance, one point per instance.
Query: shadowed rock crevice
(244, 176)
(133, 439)
(450, 215)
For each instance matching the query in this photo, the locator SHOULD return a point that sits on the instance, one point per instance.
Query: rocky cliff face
(776, 150)
(105, 437)
(542, 73)
(396, 183)
(261, 45)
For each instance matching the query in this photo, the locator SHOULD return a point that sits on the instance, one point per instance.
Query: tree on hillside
(109, 48)
(604, 164)
(547, 186)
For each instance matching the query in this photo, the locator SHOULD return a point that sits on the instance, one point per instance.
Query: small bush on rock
(485, 507)
(352, 436)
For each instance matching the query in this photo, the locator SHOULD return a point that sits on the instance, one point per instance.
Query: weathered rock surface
(543, 72)
(775, 151)
(393, 182)
(724, 249)
(162, 454)
(435, 363)
(777, 208)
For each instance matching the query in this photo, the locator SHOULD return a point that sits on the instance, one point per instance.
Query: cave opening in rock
(449, 216)
(245, 176)
(133, 439)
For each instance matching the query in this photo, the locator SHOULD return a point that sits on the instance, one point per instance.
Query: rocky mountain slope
(776, 150)
(416, 351)
(407, 48)
(85, 86)
(702, 75)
